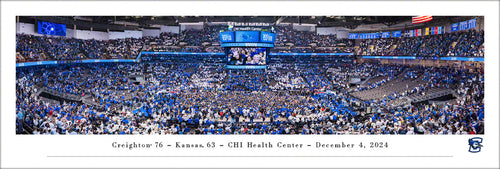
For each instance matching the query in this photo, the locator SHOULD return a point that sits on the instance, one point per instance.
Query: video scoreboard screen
(247, 37)
(267, 37)
(48, 28)
(247, 49)
(246, 56)
(226, 37)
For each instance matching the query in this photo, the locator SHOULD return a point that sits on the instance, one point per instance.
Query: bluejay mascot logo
(245, 36)
(475, 144)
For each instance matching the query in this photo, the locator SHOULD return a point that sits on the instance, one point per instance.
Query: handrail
(432, 95)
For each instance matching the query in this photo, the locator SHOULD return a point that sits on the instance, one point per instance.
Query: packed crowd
(285, 77)
(377, 47)
(459, 44)
(197, 37)
(200, 97)
(36, 48)
(31, 48)
(286, 34)
(470, 45)
(312, 50)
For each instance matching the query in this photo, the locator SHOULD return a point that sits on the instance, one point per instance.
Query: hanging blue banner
(386, 34)
(454, 27)
(396, 34)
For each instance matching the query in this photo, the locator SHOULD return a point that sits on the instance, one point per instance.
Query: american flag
(421, 19)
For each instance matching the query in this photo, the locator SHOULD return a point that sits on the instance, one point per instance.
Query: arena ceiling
(121, 23)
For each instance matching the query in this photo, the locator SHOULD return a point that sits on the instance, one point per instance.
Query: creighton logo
(475, 144)
(245, 36)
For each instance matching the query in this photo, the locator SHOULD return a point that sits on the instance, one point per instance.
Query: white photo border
(429, 151)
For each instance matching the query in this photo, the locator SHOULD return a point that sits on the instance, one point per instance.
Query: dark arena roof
(102, 23)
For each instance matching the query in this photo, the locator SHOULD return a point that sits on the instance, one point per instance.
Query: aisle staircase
(431, 94)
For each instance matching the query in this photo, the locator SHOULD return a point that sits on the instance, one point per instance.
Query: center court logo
(475, 144)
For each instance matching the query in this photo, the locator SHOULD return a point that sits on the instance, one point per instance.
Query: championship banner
(463, 25)
(469, 24)
(454, 27)
(353, 36)
(417, 32)
(368, 36)
(409, 33)
(472, 23)
(386, 34)
(396, 34)
(426, 31)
